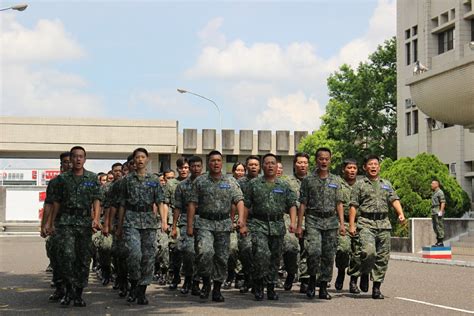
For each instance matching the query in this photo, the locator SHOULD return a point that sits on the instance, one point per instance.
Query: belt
(268, 217)
(214, 216)
(140, 208)
(374, 216)
(321, 214)
(77, 211)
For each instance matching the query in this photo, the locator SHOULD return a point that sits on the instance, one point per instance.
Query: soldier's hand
(43, 233)
(190, 231)
(96, 226)
(292, 229)
(243, 230)
(299, 232)
(119, 232)
(174, 232)
(401, 218)
(342, 230)
(105, 230)
(352, 230)
(164, 227)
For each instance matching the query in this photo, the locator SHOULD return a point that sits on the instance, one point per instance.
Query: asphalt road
(409, 288)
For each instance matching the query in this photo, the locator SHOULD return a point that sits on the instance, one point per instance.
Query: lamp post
(18, 7)
(203, 97)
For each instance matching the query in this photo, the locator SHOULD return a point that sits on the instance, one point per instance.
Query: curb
(459, 263)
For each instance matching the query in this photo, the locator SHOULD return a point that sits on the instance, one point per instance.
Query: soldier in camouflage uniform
(438, 204)
(319, 198)
(252, 165)
(372, 196)
(53, 243)
(74, 194)
(269, 198)
(186, 243)
(214, 193)
(140, 193)
(347, 254)
(294, 257)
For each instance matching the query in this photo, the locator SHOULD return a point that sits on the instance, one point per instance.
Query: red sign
(50, 174)
(34, 174)
(42, 196)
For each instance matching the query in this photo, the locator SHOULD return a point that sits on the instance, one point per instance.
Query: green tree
(360, 116)
(411, 178)
(320, 138)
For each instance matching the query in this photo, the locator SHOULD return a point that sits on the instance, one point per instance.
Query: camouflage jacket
(321, 196)
(436, 199)
(346, 190)
(373, 197)
(137, 196)
(75, 193)
(295, 185)
(215, 197)
(169, 191)
(269, 198)
(181, 196)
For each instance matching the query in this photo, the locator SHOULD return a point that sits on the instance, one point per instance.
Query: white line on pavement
(436, 305)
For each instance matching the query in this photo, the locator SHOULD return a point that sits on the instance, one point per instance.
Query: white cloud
(29, 82)
(293, 112)
(164, 103)
(261, 74)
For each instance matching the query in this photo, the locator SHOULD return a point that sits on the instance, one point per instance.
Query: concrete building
(436, 103)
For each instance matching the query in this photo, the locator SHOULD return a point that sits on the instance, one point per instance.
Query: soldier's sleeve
(56, 189)
(441, 197)
(122, 193)
(291, 198)
(303, 192)
(49, 192)
(98, 192)
(159, 196)
(194, 192)
(248, 196)
(355, 194)
(392, 196)
(237, 194)
(178, 196)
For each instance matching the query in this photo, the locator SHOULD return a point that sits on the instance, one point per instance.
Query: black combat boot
(216, 292)
(78, 301)
(376, 294)
(141, 297)
(230, 278)
(186, 285)
(58, 293)
(340, 279)
(176, 280)
(271, 294)
(290, 278)
(195, 291)
(364, 283)
(123, 284)
(246, 285)
(132, 295)
(323, 291)
(68, 296)
(304, 285)
(105, 276)
(311, 288)
(258, 289)
(353, 288)
(206, 288)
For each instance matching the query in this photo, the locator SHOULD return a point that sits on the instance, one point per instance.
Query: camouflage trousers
(186, 247)
(294, 253)
(141, 247)
(213, 254)
(438, 226)
(162, 254)
(374, 252)
(321, 246)
(348, 253)
(74, 254)
(244, 246)
(103, 246)
(53, 248)
(119, 255)
(233, 262)
(266, 251)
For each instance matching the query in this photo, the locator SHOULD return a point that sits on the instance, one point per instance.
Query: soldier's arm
(121, 215)
(340, 214)
(442, 204)
(96, 208)
(44, 220)
(174, 228)
(191, 211)
(352, 216)
(398, 208)
(112, 214)
(299, 227)
(50, 229)
(242, 217)
(293, 225)
(163, 208)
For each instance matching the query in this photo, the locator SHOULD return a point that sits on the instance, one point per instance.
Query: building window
(407, 49)
(408, 123)
(415, 50)
(229, 162)
(472, 30)
(445, 41)
(415, 30)
(407, 34)
(408, 103)
(415, 122)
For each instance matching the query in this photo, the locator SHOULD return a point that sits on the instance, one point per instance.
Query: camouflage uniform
(140, 224)
(268, 201)
(293, 257)
(185, 243)
(320, 197)
(214, 199)
(347, 251)
(438, 222)
(103, 244)
(75, 195)
(372, 199)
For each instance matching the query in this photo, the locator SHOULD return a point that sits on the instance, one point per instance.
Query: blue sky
(264, 63)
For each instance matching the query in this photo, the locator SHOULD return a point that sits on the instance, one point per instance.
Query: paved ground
(408, 288)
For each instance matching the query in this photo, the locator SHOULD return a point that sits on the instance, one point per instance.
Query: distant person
(238, 170)
(438, 205)
(279, 169)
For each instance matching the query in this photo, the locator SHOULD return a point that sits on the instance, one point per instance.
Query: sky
(264, 63)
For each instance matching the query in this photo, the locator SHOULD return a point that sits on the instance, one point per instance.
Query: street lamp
(215, 104)
(18, 7)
